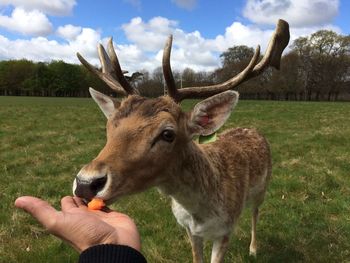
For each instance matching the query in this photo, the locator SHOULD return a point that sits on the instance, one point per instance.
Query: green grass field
(305, 218)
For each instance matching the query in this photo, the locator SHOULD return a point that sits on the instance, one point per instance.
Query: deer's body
(150, 144)
(216, 180)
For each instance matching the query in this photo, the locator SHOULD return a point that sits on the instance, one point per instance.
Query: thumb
(39, 209)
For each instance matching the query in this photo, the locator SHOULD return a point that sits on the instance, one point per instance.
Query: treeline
(60, 79)
(316, 68)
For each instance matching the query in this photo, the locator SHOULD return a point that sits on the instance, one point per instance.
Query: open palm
(81, 227)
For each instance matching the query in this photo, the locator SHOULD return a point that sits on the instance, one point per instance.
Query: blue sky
(43, 30)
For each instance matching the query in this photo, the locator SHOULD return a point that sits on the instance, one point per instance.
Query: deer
(150, 143)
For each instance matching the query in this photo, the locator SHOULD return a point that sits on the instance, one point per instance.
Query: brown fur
(225, 174)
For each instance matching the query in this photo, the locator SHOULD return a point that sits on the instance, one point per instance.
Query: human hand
(80, 227)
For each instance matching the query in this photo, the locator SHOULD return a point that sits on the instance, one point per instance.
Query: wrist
(97, 240)
(124, 239)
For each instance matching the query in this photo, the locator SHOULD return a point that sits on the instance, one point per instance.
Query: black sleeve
(111, 254)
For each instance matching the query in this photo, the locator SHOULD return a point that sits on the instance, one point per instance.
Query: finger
(115, 214)
(79, 202)
(39, 209)
(67, 203)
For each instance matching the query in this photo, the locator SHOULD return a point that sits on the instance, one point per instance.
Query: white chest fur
(211, 227)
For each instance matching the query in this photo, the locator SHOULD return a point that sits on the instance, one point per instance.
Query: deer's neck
(194, 182)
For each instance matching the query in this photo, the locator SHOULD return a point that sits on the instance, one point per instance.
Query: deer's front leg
(197, 247)
(220, 247)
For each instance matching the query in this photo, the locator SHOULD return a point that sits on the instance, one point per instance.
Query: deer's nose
(89, 188)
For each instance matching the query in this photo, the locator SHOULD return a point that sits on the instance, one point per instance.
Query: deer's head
(146, 136)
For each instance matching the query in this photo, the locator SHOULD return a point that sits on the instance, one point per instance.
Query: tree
(188, 77)
(234, 60)
(151, 85)
(68, 78)
(324, 63)
(235, 55)
(13, 74)
(285, 82)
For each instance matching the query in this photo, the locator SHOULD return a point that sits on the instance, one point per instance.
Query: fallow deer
(150, 144)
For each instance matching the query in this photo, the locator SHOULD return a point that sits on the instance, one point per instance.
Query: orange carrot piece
(96, 204)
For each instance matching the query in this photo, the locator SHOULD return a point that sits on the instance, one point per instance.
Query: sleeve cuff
(109, 253)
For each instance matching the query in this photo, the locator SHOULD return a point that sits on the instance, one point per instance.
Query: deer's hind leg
(255, 204)
(256, 200)
(253, 245)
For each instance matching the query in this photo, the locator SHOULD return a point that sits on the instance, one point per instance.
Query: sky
(46, 30)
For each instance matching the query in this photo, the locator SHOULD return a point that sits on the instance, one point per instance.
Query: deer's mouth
(107, 201)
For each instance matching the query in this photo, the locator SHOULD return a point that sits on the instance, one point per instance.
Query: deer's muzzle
(88, 189)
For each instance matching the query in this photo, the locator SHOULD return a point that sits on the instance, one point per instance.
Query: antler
(272, 57)
(111, 73)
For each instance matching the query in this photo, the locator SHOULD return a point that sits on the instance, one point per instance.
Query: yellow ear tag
(207, 139)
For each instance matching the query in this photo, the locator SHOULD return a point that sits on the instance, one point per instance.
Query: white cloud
(307, 31)
(26, 22)
(147, 38)
(151, 36)
(299, 13)
(146, 42)
(28, 17)
(239, 34)
(186, 4)
(42, 49)
(191, 49)
(85, 43)
(52, 7)
(131, 57)
(69, 32)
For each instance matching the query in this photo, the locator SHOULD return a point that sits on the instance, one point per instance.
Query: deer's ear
(106, 103)
(210, 114)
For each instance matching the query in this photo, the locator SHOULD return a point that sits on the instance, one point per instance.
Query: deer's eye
(168, 135)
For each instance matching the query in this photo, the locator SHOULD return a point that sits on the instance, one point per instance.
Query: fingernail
(19, 202)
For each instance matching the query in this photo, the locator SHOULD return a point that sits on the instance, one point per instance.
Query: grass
(305, 218)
